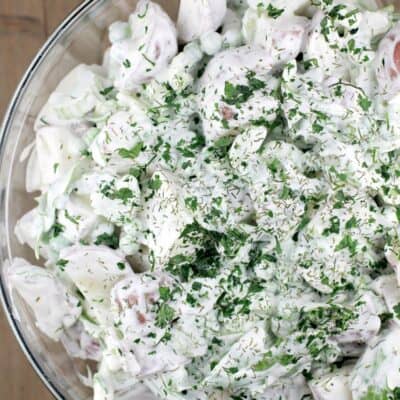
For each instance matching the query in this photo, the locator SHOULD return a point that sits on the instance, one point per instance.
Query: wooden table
(24, 26)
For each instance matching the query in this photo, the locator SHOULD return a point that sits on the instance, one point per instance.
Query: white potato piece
(289, 389)
(283, 38)
(227, 69)
(236, 62)
(147, 51)
(123, 133)
(115, 198)
(133, 305)
(387, 63)
(53, 306)
(28, 230)
(211, 43)
(102, 389)
(287, 7)
(56, 151)
(77, 99)
(183, 67)
(79, 344)
(393, 257)
(333, 386)
(95, 270)
(248, 348)
(367, 324)
(79, 220)
(133, 301)
(197, 17)
(388, 288)
(131, 237)
(232, 29)
(378, 370)
(166, 216)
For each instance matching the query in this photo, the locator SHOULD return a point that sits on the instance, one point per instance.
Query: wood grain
(24, 26)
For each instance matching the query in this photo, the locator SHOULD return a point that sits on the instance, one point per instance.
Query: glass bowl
(81, 38)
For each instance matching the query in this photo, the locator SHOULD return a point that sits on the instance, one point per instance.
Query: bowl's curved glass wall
(82, 38)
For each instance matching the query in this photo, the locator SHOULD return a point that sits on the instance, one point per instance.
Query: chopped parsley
(364, 102)
(236, 95)
(62, 264)
(107, 91)
(191, 203)
(165, 316)
(132, 153)
(334, 227)
(396, 310)
(121, 266)
(155, 183)
(127, 63)
(274, 12)
(108, 239)
(347, 243)
(270, 360)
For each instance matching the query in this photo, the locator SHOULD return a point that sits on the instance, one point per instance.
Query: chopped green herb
(121, 266)
(106, 91)
(165, 316)
(396, 310)
(347, 243)
(364, 102)
(131, 153)
(274, 12)
(127, 63)
(191, 203)
(165, 293)
(62, 264)
(155, 183)
(106, 239)
(334, 227)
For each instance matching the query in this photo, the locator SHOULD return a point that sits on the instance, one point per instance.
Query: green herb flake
(351, 223)
(106, 91)
(274, 12)
(62, 264)
(131, 153)
(264, 364)
(310, 63)
(165, 316)
(396, 310)
(141, 16)
(347, 243)
(190, 299)
(191, 203)
(196, 286)
(364, 102)
(107, 239)
(123, 194)
(165, 293)
(155, 183)
(236, 95)
(334, 227)
(224, 141)
(127, 63)
(121, 266)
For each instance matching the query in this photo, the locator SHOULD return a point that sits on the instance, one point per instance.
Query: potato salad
(218, 204)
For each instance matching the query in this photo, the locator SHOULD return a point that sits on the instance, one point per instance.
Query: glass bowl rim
(5, 128)
(85, 7)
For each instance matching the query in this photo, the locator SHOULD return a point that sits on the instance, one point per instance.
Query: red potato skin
(396, 57)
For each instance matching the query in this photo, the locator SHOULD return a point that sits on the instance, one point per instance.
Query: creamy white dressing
(222, 222)
(198, 17)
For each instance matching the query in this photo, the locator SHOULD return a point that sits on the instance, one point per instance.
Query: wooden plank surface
(24, 26)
